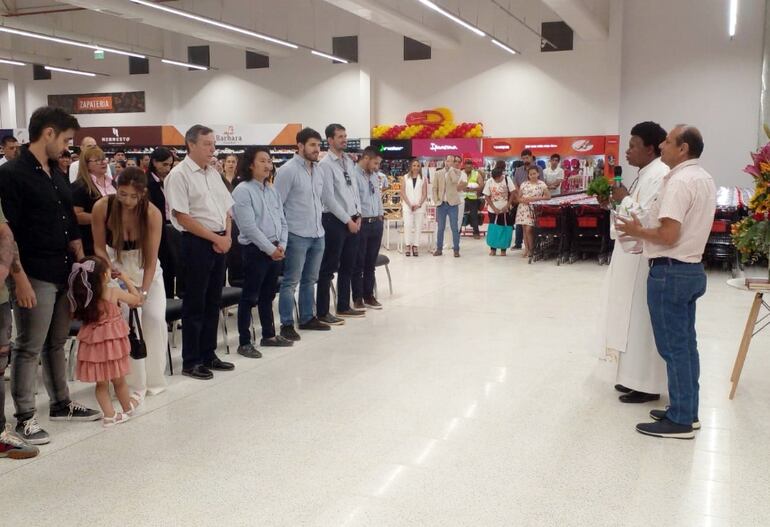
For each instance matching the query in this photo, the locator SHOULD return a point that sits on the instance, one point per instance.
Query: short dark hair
(306, 134)
(535, 168)
(693, 138)
(556, 156)
(8, 139)
(371, 151)
(120, 151)
(197, 130)
(468, 161)
(526, 152)
(121, 163)
(651, 134)
(332, 129)
(50, 117)
(246, 160)
(497, 171)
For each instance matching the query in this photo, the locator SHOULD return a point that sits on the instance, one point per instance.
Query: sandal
(492, 252)
(133, 405)
(118, 418)
(502, 252)
(414, 251)
(408, 251)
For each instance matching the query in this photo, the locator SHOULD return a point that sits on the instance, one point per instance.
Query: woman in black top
(93, 183)
(127, 230)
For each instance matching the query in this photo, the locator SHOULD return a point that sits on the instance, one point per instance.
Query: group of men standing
(317, 219)
(663, 221)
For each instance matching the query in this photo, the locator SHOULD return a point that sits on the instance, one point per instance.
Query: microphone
(618, 172)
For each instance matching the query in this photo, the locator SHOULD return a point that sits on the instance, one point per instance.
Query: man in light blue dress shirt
(341, 225)
(372, 212)
(301, 186)
(263, 235)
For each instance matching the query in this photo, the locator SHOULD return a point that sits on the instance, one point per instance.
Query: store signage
(545, 146)
(122, 136)
(80, 103)
(240, 134)
(442, 147)
(393, 149)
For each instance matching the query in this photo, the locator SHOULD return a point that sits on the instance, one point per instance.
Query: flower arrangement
(751, 235)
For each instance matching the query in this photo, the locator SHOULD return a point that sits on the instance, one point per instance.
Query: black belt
(372, 219)
(218, 233)
(667, 261)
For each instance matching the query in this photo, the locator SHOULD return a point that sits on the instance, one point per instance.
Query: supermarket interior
(360, 263)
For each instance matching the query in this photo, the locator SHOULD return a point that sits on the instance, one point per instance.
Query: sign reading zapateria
(118, 102)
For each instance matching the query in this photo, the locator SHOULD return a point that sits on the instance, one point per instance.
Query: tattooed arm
(6, 251)
(23, 291)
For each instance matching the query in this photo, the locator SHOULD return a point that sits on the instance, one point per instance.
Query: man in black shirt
(37, 202)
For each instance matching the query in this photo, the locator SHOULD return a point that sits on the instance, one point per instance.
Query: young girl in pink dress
(103, 347)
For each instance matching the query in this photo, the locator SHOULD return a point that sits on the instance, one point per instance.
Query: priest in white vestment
(625, 327)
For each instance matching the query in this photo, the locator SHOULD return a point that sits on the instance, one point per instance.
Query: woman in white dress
(127, 230)
(414, 194)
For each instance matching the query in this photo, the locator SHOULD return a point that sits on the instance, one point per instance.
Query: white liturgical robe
(625, 328)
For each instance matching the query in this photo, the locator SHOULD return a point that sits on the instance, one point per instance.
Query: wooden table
(751, 327)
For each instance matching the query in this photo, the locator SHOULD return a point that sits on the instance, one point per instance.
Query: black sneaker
(276, 342)
(74, 412)
(660, 414)
(330, 319)
(31, 432)
(359, 305)
(249, 351)
(315, 325)
(352, 313)
(372, 303)
(289, 333)
(667, 429)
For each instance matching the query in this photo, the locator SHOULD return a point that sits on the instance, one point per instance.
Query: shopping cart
(590, 233)
(549, 232)
(720, 251)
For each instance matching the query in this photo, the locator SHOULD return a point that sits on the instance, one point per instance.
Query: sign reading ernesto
(119, 102)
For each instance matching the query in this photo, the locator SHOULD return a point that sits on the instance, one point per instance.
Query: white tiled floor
(475, 398)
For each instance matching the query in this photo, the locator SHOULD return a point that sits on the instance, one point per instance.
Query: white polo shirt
(688, 196)
(199, 193)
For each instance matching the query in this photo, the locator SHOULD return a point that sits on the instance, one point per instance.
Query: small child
(103, 347)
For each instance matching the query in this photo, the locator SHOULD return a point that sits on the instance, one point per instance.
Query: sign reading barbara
(443, 147)
(121, 136)
(393, 149)
(119, 102)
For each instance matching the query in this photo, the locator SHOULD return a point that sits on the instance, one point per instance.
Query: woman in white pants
(414, 194)
(127, 230)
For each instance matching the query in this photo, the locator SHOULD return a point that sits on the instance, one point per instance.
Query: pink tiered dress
(103, 348)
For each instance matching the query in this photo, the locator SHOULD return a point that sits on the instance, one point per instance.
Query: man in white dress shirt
(10, 149)
(200, 208)
(626, 331)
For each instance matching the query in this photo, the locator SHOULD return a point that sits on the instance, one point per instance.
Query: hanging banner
(465, 147)
(84, 103)
(545, 146)
(121, 136)
(238, 134)
(393, 149)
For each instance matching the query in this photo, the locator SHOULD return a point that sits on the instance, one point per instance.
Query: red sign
(590, 145)
(94, 104)
(442, 147)
(120, 136)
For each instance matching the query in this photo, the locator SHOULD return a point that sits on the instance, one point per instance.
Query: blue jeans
(442, 211)
(300, 266)
(672, 291)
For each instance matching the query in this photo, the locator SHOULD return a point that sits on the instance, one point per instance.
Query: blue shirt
(370, 193)
(258, 212)
(343, 185)
(301, 188)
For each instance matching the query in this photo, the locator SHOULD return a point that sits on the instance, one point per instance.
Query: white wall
(679, 66)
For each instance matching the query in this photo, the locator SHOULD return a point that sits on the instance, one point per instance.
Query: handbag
(138, 347)
(499, 236)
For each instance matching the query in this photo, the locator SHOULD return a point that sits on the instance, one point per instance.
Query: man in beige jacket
(446, 195)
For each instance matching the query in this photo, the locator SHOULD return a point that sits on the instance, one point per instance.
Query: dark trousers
(370, 238)
(204, 276)
(168, 264)
(472, 209)
(339, 257)
(260, 284)
(519, 236)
